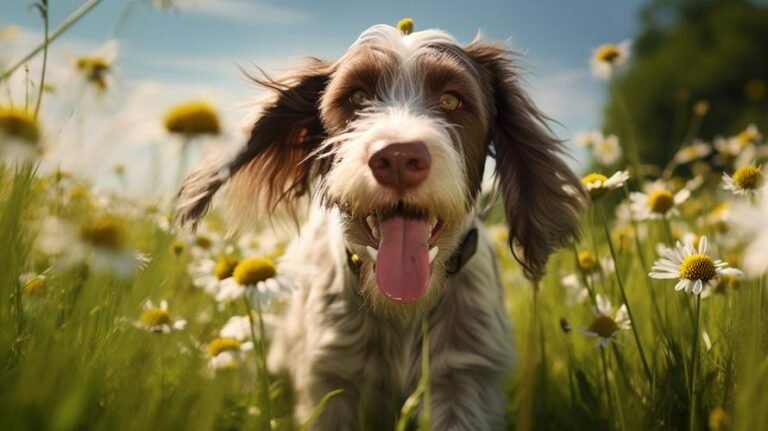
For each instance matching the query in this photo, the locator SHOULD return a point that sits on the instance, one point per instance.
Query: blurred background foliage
(690, 51)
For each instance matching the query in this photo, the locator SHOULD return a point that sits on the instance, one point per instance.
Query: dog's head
(395, 134)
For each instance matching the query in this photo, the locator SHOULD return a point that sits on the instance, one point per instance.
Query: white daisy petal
(697, 287)
(703, 245)
(663, 275)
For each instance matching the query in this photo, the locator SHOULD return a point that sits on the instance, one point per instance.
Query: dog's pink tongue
(402, 266)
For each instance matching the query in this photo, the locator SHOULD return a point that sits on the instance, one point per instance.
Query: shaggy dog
(388, 145)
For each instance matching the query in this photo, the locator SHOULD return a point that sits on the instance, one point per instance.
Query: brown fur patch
(542, 196)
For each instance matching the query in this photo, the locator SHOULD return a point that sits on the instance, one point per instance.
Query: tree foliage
(690, 51)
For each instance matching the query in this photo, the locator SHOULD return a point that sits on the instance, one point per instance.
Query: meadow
(112, 317)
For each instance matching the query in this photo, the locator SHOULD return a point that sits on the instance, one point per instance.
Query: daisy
(592, 266)
(740, 148)
(658, 202)
(608, 58)
(607, 151)
(696, 150)
(598, 184)
(207, 242)
(749, 221)
(208, 274)
(746, 181)
(158, 319)
(692, 266)
(97, 68)
(102, 242)
(226, 353)
(607, 324)
(20, 135)
(255, 276)
(192, 118)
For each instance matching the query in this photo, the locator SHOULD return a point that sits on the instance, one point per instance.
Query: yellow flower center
(593, 178)
(745, 136)
(177, 247)
(253, 270)
(203, 241)
(95, 70)
(661, 201)
(607, 52)
(587, 261)
(698, 267)
(223, 344)
(405, 25)
(749, 177)
(603, 326)
(19, 124)
(103, 232)
(156, 317)
(192, 119)
(225, 266)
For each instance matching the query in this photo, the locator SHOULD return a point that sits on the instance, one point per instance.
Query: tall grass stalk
(43, 8)
(624, 297)
(76, 16)
(524, 420)
(422, 393)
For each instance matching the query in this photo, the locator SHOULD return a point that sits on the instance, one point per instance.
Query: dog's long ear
(542, 196)
(276, 164)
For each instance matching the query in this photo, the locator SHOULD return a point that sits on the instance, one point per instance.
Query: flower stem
(43, 8)
(69, 22)
(262, 362)
(624, 298)
(605, 379)
(694, 356)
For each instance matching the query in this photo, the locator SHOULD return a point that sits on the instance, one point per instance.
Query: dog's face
(395, 135)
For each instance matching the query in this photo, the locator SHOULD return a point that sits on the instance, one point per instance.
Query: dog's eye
(450, 102)
(360, 98)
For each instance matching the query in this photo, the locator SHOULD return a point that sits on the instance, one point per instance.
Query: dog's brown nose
(401, 166)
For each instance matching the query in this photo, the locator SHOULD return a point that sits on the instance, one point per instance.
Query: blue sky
(198, 46)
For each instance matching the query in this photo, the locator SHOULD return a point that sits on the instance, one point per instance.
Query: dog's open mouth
(402, 243)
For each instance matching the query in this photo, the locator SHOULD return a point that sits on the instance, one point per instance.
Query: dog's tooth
(370, 221)
(375, 232)
(432, 253)
(372, 252)
(432, 222)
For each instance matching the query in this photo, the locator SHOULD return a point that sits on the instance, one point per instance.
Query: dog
(387, 148)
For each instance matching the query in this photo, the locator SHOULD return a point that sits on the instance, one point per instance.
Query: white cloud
(571, 98)
(88, 131)
(243, 10)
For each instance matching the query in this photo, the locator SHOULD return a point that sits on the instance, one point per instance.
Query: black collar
(458, 259)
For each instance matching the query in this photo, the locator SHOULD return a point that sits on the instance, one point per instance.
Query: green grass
(73, 358)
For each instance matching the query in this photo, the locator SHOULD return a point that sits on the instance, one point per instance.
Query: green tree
(690, 51)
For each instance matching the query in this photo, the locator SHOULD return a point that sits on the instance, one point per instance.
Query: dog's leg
(470, 349)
